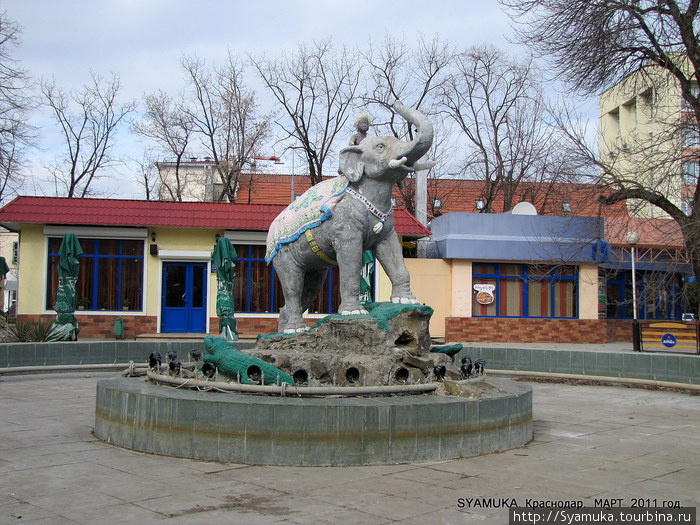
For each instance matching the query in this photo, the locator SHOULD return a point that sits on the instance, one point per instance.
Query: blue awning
(506, 237)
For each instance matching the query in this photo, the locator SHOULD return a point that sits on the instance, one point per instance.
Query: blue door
(184, 297)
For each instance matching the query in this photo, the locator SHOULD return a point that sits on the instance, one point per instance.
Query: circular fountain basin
(312, 431)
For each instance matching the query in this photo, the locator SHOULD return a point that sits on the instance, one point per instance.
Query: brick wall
(250, 326)
(618, 330)
(102, 326)
(520, 330)
(471, 329)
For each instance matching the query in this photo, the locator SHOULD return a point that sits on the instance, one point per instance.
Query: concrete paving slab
(590, 442)
(122, 514)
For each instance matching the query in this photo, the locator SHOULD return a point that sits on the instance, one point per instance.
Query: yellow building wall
(181, 243)
(639, 136)
(430, 283)
(178, 244)
(588, 291)
(31, 285)
(461, 288)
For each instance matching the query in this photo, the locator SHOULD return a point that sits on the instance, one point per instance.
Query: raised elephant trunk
(421, 143)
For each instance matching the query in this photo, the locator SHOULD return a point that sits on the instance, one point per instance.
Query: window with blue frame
(111, 274)
(256, 290)
(659, 295)
(526, 290)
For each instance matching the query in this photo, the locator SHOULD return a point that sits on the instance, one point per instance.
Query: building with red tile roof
(449, 194)
(160, 214)
(135, 253)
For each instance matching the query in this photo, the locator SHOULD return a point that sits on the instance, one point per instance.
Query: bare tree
(597, 44)
(315, 87)
(499, 108)
(171, 127)
(88, 119)
(15, 133)
(225, 115)
(414, 75)
(443, 192)
(148, 177)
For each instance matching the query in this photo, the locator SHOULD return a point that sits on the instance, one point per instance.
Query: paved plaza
(590, 442)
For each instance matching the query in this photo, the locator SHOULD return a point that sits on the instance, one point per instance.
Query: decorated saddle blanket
(308, 211)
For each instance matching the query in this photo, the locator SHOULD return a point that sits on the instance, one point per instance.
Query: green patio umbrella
(223, 256)
(367, 273)
(4, 270)
(65, 328)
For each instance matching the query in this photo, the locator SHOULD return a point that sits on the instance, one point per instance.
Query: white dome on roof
(523, 208)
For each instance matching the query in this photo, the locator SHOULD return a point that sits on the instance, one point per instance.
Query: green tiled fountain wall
(267, 430)
(92, 352)
(673, 368)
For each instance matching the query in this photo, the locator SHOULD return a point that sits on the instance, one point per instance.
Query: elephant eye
(380, 146)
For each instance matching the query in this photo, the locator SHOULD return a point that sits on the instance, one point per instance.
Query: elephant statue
(335, 221)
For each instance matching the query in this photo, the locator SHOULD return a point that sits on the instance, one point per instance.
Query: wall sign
(669, 340)
(484, 293)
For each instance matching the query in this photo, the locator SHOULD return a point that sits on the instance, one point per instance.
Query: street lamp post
(632, 240)
(294, 195)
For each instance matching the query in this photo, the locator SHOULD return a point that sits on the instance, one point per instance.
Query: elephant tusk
(397, 163)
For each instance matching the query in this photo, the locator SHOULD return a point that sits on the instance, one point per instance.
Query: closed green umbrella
(223, 256)
(367, 273)
(4, 270)
(65, 328)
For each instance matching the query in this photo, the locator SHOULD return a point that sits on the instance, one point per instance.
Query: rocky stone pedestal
(391, 345)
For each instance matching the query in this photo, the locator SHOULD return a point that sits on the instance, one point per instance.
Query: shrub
(30, 331)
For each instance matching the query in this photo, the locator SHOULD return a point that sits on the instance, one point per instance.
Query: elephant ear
(351, 164)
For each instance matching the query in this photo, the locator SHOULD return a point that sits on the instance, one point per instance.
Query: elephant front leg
(349, 257)
(389, 254)
(292, 280)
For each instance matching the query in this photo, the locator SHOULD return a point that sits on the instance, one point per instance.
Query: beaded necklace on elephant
(371, 207)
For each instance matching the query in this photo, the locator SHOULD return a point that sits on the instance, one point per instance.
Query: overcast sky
(143, 40)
